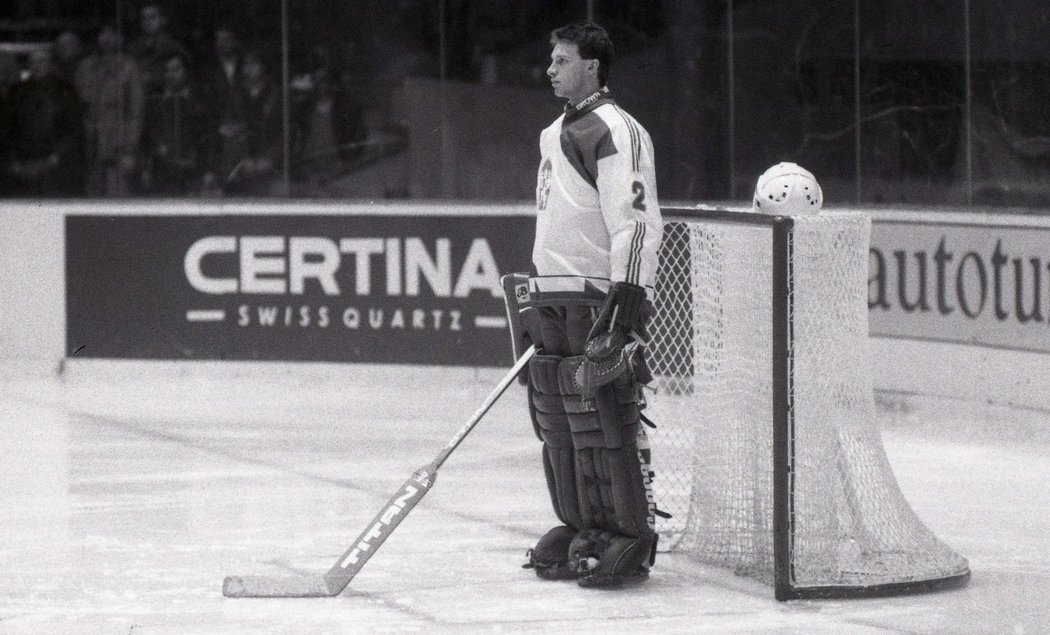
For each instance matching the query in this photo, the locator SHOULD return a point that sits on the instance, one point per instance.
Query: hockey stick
(376, 532)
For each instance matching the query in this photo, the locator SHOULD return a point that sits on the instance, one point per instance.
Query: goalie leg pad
(613, 482)
(552, 424)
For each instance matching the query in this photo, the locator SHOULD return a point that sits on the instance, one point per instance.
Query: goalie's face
(572, 77)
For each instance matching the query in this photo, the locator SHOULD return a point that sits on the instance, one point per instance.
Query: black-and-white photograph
(524, 316)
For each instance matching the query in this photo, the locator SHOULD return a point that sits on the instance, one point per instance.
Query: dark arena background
(887, 102)
(250, 265)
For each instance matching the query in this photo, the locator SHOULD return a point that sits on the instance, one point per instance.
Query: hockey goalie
(585, 308)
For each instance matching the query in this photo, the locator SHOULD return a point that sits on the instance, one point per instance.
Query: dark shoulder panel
(584, 141)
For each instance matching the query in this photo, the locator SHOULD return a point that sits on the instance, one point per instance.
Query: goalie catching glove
(614, 339)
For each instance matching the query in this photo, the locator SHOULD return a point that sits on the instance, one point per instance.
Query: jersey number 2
(639, 196)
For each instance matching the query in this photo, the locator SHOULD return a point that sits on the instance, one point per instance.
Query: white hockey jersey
(597, 213)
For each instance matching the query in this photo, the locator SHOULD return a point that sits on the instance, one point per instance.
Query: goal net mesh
(711, 351)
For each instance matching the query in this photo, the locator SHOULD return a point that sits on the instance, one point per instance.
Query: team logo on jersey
(543, 189)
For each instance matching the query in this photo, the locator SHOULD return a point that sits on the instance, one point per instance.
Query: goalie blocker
(585, 401)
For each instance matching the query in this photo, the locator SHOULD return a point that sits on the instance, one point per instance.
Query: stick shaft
(410, 493)
(376, 532)
(500, 388)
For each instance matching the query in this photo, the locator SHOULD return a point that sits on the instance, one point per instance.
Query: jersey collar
(595, 99)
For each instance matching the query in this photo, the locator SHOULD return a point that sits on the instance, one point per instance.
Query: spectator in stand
(109, 84)
(253, 145)
(303, 95)
(44, 133)
(221, 71)
(315, 158)
(69, 50)
(220, 75)
(154, 47)
(176, 138)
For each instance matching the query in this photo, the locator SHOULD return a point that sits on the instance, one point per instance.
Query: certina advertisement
(425, 289)
(292, 287)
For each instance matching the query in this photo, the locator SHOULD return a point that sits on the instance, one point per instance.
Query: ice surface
(130, 490)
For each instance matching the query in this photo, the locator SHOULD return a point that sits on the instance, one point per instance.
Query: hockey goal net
(767, 450)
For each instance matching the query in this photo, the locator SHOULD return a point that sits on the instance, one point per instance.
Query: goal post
(767, 450)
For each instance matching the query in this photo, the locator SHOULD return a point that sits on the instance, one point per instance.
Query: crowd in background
(109, 119)
(888, 102)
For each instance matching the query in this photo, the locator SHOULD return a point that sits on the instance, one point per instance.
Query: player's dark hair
(593, 42)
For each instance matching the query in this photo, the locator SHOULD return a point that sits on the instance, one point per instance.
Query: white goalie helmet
(787, 189)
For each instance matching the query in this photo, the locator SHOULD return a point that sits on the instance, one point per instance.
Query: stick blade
(254, 586)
